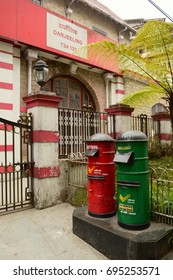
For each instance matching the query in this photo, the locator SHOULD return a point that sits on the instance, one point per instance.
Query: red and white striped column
(162, 127)
(43, 106)
(123, 117)
(117, 89)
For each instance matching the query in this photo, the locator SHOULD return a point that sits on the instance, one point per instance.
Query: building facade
(52, 31)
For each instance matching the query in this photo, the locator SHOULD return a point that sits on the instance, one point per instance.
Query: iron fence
(76, 126)
(161, 190)
(146, 125)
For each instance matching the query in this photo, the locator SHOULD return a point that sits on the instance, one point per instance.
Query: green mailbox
(131, 159)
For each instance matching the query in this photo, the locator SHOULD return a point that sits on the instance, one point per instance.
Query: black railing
(16, 164)
(76, 126)
(161, 187)
(145, 124)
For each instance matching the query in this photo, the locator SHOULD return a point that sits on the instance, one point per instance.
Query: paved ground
(44, 235)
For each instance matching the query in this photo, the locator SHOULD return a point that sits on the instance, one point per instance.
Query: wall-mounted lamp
(41, 71)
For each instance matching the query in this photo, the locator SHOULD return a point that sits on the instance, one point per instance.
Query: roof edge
(106, 13)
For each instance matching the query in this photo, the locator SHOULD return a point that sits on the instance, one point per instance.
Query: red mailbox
(100, 150)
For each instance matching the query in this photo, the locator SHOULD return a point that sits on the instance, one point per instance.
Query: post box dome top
(100, 137)
(132, 135)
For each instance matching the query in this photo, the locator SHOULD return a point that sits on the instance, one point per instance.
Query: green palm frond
(147, 96)
(128, 60)
(104, 50)
(152, 36)
(150, 54)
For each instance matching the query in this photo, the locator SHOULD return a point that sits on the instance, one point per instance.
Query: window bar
(102, 122)
(6, 175)
(60, 131)
(21, 167)
(63, 120)
(27, 142)
(84, 125)
(68, 132)
(2, 186)
(10, 186)
(82, 132)
(32, 159)
(75, 132)
(14, 171)
(78, 129)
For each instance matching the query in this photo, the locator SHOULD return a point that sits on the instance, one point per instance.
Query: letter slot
(124, 158)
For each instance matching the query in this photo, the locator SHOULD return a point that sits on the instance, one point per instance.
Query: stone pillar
(43, 106)
(123, 117)
(162, 127)
(117, 89)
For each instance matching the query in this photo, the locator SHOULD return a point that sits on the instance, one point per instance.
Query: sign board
(63, 35)
(34, 25)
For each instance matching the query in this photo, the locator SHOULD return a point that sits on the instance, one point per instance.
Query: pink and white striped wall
(9, 86)
(9, 80)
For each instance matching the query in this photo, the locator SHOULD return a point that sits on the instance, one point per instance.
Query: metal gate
(77, 179)
(16, 164)
(77, 171)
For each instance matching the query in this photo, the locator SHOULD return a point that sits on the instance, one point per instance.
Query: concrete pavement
(43, 235)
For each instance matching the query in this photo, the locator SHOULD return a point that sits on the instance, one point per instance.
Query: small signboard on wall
(65, 36)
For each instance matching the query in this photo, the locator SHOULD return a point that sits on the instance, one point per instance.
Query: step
(117, 243)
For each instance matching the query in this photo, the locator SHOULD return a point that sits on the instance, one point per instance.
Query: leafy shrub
(155, 148)
(167, 149)
(158, 150)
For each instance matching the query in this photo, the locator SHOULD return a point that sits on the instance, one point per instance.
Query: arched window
(73, 93)
(158, 108)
